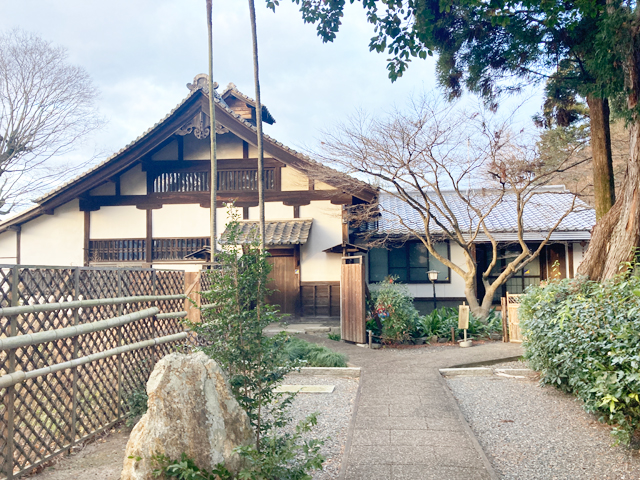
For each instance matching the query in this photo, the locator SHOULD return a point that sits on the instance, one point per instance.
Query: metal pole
(434, 295)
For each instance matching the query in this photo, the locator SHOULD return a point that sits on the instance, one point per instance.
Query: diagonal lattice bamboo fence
(43, 416)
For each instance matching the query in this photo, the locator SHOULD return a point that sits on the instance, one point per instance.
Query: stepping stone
(305, 388)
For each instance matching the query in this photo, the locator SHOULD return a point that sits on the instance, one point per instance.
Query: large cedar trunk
(614, 239)
(603, 182)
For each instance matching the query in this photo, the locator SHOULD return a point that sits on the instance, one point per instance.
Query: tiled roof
(540, 215)
(233, 90)
(277, 232)
(318, 167)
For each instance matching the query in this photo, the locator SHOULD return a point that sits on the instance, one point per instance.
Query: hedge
(584, 338)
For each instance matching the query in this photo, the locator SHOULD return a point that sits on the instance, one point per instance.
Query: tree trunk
(625, 232)
(625, 237)
(603, 181)
(256, 78)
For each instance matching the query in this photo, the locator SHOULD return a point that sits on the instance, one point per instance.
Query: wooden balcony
(135, 249)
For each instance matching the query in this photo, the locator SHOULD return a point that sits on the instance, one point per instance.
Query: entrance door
(283, 281)
(557, 267)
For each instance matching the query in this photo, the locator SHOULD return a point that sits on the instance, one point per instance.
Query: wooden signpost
(463, 323)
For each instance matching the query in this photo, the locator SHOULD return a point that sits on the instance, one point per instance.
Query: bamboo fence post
(119, 343)
(11, 390)
(74, 355)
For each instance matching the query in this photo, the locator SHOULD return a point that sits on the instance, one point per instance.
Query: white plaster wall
(579, 251)
(323, 186)
(118, 222)
(8, 247)
(272, 211)
(187, 220)
(293, 179)
(187, 267)
(169, 152)
(56, 239)
(105, 189)
(198, 149)
(224, 216)
(134, 181)
(326, 231)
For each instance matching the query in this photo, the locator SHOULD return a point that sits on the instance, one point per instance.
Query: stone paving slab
(406, 424)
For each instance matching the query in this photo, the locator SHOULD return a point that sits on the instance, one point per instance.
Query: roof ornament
(201, 82)
(200, 126)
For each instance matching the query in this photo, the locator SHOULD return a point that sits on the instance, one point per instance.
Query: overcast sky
(141, 54)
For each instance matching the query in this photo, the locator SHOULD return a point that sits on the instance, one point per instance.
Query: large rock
(191, 410)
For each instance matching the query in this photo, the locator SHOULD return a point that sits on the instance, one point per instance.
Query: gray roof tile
(541, 213)
(277, 232)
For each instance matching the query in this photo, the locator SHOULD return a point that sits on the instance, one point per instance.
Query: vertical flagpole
(256, 78)
(213, 184)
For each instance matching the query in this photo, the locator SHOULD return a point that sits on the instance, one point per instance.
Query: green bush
(584, 338)
(135, 405)
(392, 303)
(313, 355)
(440, 321)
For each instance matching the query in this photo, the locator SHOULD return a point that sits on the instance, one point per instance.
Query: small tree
(233, 320)
(429, 158)
(46, 106)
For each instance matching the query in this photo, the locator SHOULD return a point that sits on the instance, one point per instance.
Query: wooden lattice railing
(44, 416)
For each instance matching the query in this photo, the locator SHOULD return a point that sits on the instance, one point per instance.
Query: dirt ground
(99, 460)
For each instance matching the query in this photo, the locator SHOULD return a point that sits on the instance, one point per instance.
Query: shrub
(584, 338)
(392, 303)
(334, 336)
(440, 321)
(313, 355)
(135, 405)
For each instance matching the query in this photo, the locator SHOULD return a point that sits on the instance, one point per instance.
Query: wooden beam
(296, 211)
(149, 238)
(87, 233)
(116, 180)
(18, 246)
(205, 166)
(245, 149)
(180, 141)
(242, 199)
(245, 213)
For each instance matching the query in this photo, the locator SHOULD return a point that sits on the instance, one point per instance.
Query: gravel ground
(533, 432)
(334, 411)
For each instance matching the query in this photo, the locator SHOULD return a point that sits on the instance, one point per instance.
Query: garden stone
(191, 410)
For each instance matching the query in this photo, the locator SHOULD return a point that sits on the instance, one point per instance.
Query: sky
(142, 53)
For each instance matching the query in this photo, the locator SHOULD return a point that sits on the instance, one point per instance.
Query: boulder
(191, 410)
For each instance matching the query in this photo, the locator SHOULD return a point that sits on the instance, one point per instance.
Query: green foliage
(284, 457)
(186, 469)
(288, 456)
(393, 305)
(335, 337)
(312, 355)
(233, 330)
(440, 321)
(584, 338)
(135, 405)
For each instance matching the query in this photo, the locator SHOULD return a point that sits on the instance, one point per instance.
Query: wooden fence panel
(42, 417)
(513, 304)
(353, 304)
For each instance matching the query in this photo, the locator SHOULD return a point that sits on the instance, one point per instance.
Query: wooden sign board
(463, 317)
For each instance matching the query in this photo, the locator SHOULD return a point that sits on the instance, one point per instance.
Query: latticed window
(228, 180)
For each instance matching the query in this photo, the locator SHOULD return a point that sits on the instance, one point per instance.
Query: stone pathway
(407, 423)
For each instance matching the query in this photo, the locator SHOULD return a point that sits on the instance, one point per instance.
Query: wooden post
(505, 322)
(192, 292)
(453, 335)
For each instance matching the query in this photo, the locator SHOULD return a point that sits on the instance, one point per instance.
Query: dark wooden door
(556, 265)
(283, 283)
